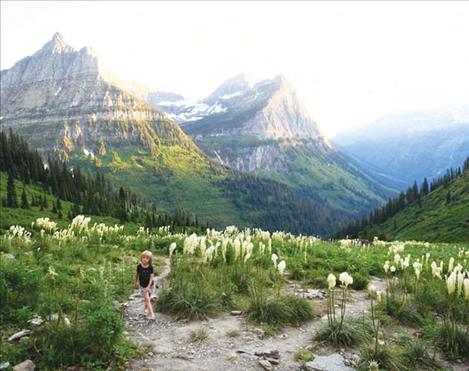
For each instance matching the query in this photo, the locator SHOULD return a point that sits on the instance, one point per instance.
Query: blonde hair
(148, 254)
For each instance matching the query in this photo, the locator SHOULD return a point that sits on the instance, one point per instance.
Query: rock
(244, 351)
(314, 294)
(36, 321)
(19, 335)
(270, 354)
(332, 362)
(27, 365)
(53, 317)
(274, 361)
(259, 332)
(236, 312)
(4, 365)
(265, 364)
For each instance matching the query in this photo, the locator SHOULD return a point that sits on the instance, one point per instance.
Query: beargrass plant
(340, 331)
(451, 336)
(277, 311)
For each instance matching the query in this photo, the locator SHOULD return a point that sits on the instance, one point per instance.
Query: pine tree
(24, 200)
(12, 201)
(425, 188)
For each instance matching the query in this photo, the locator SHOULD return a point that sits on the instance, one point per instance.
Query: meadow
(65, 286)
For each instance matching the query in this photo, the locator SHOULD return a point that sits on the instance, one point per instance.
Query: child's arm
(136, 280)
(152, 277)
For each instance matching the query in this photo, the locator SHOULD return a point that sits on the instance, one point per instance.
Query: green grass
(24, 217)
(434, 219)
(322, 174)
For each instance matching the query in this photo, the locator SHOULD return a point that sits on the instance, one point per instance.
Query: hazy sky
(350, 62)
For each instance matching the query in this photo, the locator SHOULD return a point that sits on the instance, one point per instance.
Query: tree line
(413, 195)
(90, 194)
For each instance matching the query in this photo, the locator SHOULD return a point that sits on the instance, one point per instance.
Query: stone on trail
(236, 312)
(271, 354)
(332, 362)
(27, 365)
(19, 335)
(265, 364)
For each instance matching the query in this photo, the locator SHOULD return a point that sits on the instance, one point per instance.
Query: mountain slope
(441, 215)
(265, 129)
(410, 146)
(64, 102)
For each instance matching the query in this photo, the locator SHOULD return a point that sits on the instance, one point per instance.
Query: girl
(144, 280)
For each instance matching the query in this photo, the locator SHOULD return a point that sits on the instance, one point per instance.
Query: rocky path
(230, 344)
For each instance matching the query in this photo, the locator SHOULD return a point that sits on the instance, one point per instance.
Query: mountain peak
(236, 85)
(56, 45)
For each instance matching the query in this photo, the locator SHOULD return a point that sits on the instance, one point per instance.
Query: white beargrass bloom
(281, 267)
(246, 257)
(172, 247)
(386, 266)
(274, 259)
(451, 283)
(237, 247)
(417, 268)
(373, 366)
(331, 281)
(459, 281)
(345, 278)
(392, 269)
(450, 264)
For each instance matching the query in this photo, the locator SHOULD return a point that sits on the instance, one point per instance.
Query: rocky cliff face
(269, 109)
(64, 99)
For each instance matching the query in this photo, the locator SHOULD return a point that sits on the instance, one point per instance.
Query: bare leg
(149, 307)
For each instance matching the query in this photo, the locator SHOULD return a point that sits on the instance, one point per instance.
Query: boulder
(19, 335)
(27, 365)
(332, 362)
(266, 365)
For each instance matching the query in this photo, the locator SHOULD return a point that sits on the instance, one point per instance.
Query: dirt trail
(170, 347)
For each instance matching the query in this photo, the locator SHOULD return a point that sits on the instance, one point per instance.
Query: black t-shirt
(144, 274)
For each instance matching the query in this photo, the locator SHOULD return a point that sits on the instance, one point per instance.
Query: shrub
(387, 357)
(189, 299)
(347, 333)
(451, 338)
(360, 281)
(278, 311)
(199, 335)
(404, 311)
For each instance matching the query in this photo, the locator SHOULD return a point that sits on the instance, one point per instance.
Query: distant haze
(350, 62)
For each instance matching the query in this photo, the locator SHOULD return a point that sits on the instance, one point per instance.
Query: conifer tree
(12, 201)
(24, 200)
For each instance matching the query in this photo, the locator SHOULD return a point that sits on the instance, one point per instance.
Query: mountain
(264, 128)
(405, 147)
(65, 103)
(438, 213)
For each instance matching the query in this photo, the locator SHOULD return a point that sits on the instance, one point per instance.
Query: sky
(350, 62)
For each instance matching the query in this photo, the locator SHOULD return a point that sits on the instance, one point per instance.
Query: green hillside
(323, 175)
(441, 215)
(24, 217)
